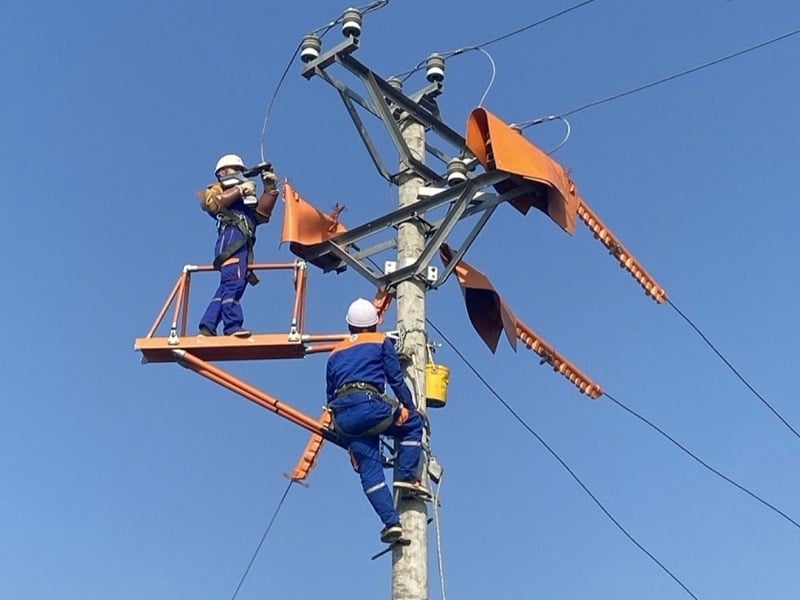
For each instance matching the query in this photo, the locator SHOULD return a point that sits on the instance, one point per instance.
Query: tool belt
(360, 386)
(357, 386)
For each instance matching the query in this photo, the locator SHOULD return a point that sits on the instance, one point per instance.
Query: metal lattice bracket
(461, 202)
(464, 198)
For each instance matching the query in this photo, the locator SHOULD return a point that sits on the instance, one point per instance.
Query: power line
(263, 537)
(733, 369)
(273, 98)
(450, 53)
(560, 460)
(689, 71)
(367, 8)
(701, 461)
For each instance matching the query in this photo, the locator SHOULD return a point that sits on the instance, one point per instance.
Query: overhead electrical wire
(263, 537)
(450, 53)
(560, 460)
(672, 77)
(733, 369)
(701, 461)
(322, 30)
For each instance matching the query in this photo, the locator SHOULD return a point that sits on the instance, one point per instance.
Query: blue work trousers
(225, 305)
(365, 452)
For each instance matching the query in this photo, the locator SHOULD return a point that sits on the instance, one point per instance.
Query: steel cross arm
(316, 66)
(419, 113)
(345, 90)
(357, 264)
(433, 243)
(433, 150)
(365, 137)
(417, 208)
(419, 167)
(379, 247)
(448, 270)
(349, 97)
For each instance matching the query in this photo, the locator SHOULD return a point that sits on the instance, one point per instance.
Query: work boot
(241, 333)
(206, 332)
(391, 533)
(414, 489)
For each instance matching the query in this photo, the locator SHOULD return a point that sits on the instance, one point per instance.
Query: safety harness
(226, 218)
(360, 386)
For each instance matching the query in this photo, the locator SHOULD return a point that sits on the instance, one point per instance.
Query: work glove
(269, 179)
(248, 188)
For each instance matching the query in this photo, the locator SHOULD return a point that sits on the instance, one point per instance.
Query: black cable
(521, 29)
(677, 75)
(272, 100)
(702, 462)
(560, 460)
(406, 74)
(263, 537)
(367, 8)
(733, 369)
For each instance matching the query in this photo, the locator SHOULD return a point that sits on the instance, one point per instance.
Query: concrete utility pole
(410, 563)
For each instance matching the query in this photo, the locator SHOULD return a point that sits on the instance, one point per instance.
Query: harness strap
(227, 217)
(360, 386)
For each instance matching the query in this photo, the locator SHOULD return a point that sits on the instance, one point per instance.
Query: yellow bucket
(436, 379)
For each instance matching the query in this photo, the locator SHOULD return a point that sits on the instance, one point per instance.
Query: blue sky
(130, 481)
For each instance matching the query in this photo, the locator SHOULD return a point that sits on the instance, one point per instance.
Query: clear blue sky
(128, 481)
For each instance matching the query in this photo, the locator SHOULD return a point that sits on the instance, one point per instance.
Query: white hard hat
(362, 314)
(229, 160)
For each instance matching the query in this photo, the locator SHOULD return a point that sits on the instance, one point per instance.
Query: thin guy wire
(733, 369)
(640, 88)
(561, 461)
(450, 53)
(699, 460)
(263, 537)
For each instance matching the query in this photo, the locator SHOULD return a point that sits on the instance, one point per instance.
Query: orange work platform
(221, 348)
(292, 343)
(197, 353)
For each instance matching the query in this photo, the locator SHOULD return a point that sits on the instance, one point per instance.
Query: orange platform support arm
(234, 384)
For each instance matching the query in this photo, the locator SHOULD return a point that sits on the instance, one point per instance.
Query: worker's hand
(402, 417)
(248, 188)
(269, 179)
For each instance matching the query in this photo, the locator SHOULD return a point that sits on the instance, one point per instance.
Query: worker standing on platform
(233, 203)
(357, 371)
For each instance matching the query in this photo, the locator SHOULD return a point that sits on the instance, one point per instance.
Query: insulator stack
(560, 364)
(625, 258)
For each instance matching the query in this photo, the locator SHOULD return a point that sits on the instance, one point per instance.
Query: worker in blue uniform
(357, 371)
(233, 203)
